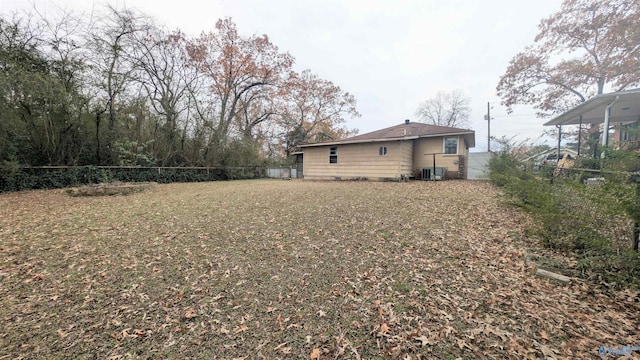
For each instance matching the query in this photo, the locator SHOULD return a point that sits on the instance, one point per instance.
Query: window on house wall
(451, 145)
(333, 155)
(629, 132)
(382, 151)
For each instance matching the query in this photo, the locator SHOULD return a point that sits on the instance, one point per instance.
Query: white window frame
(333, 154)
(444, 145)
(382, 151)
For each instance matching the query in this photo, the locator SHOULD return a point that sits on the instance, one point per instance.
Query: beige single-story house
(408, 150)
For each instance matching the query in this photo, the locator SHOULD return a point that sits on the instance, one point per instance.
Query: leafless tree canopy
(445, 109)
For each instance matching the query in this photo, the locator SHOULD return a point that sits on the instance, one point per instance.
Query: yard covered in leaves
(290, 269)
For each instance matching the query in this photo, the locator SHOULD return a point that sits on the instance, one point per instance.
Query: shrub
(615, 269)
(504, 167)
(572, 217)
(52, 178)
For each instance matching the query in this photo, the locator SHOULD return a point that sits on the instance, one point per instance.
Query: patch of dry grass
(288, 269)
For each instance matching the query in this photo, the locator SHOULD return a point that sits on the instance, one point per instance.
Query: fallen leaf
(240, 329)
(179, 329)
(190, 314)
(424, 340)
(315, 354)
(547, 352)
(283, 348)
(544, 335)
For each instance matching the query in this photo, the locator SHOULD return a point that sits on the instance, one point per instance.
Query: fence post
(636, 215)
(636, 235)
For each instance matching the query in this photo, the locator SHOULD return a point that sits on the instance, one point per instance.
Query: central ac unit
(428, 173)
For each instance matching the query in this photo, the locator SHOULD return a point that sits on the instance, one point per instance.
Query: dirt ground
(291, 269)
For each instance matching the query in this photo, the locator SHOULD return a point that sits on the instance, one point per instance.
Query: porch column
(607, 115)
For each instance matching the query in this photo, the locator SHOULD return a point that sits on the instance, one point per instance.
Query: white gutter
(607, 115)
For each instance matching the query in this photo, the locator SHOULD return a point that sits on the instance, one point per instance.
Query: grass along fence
(52, 177)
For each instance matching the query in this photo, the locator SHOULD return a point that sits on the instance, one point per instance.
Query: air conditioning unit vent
(428, 173)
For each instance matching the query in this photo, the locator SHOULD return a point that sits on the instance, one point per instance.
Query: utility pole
(488, 118)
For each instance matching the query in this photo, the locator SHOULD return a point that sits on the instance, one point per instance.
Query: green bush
(616, 269)
(503, 167)
(572, 217)
(588, 163)
(53, 178)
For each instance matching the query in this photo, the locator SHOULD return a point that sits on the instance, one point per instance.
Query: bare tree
(63, 36)
(167, 81)
(111, 41)
(41, 69)
(449, 109)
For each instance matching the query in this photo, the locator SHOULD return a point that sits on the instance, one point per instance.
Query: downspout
(607, 115)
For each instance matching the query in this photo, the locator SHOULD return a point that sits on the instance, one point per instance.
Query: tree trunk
(601, 83)
(98, 120)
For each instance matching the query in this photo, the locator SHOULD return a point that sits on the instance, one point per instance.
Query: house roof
(404, 131)
(625, 108)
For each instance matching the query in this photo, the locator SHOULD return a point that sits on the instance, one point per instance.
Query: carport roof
(625, 109)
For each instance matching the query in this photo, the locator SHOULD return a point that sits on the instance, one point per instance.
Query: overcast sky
(390, 55)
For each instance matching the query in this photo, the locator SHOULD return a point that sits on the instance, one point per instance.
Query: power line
(518, 115)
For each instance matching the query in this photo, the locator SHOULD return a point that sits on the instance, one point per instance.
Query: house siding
(425, 147)
(406, 158)
(360, 161)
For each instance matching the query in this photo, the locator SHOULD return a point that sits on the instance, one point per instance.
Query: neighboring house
(404, 151)
(627, 135)
(618, 111)
(550, 155)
